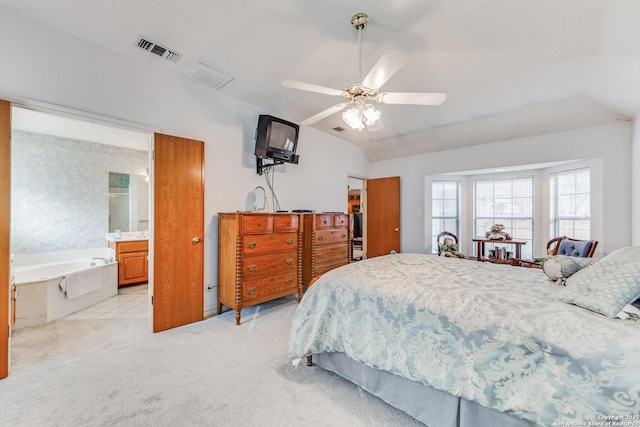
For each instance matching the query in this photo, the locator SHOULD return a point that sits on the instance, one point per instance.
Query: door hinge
(151, 299)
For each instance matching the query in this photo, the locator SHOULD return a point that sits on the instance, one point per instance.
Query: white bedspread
(493, 334)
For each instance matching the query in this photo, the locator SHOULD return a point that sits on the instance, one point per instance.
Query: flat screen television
(277, 140)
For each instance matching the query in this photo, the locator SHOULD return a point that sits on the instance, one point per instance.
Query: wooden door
(5, 227)
(383, 216)
(178, 232)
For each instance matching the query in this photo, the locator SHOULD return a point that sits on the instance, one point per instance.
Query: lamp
(359, 114)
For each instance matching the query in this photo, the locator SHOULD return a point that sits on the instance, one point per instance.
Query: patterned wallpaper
(59, 191)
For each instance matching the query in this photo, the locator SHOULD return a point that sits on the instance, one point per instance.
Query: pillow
(629, 254)
(573, 248)
(606, 286)
(559, 267)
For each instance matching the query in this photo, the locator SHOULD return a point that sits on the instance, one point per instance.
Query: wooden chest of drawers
(326, 243)
(259, 258)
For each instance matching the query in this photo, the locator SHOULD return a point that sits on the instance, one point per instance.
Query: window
(508, 202)
(445, 210)
(571, 204)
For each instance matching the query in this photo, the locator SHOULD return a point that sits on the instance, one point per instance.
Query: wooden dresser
(326, 243)
(259, 258)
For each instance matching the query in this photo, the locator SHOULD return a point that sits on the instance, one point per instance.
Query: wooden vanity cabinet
(327, 239)
(133, 263)
(259, 258)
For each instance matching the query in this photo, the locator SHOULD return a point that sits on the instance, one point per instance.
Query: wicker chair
(445, 234)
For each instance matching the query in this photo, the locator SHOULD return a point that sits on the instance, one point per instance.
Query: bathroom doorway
(61, 168)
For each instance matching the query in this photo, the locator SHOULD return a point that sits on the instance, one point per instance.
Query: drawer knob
(320, 237)
(252, 267)
(321, 255)
(259, 223)
(288, 222)
(289, 281)
(289, 261)
(252, 290)
(252, 245)
(324, 222)
(289, 241)
(343, 251)
(343, 235)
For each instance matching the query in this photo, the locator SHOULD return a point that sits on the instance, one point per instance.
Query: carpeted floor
(212, 373)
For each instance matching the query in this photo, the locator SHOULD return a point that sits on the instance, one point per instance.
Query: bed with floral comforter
(493, 334)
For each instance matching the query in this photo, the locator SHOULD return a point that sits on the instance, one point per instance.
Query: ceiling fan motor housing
(360, 20)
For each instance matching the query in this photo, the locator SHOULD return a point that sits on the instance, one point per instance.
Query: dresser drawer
(257, 223)
(324, 221)
(258, 288)
(256, 244)
(340, 221)
(321, 269)
(328, 254)
(328, 237)
(285, 223)
(255, 266)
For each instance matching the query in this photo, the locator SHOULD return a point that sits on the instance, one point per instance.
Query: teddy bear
(449, 248)
(497, 233)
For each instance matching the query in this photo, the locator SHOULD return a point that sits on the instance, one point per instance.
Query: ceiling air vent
(339, 129)
(209, 77)
(169, 55)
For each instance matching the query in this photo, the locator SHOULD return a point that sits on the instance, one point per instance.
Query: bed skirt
(428, 405)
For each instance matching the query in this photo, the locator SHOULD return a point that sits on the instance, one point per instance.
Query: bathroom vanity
(132, 254)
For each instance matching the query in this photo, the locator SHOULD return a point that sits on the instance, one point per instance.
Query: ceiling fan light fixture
(359, 115)
(353, 118)
(371, 115)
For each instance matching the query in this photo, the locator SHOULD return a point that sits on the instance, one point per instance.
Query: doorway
(61, 184)
(356, 207)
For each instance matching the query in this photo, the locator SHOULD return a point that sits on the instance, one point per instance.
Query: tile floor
(130, 303)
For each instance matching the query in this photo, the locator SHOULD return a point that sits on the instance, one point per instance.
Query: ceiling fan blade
(311, 87)
(323, 114)
(388, 64)
(413, 98)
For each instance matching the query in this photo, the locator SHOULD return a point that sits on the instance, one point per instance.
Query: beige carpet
(212, 373)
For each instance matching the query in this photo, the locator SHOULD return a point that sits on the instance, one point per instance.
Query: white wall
(606, 145)
(48, 66)
(635, 181)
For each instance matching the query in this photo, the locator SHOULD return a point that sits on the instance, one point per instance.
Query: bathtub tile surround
(60, 189)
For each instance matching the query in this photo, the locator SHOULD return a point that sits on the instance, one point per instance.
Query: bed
(461, 343)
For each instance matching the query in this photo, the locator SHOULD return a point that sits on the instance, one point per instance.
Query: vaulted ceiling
(511, 68)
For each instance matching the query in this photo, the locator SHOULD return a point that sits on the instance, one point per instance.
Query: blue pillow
(573, 248)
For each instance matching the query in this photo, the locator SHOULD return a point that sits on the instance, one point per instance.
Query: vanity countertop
(128, 236)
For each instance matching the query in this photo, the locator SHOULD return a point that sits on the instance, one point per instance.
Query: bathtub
(40, 300)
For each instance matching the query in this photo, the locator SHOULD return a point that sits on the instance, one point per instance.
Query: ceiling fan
(359, 112)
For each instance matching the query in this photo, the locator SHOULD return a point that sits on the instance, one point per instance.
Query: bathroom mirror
(128, 202)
